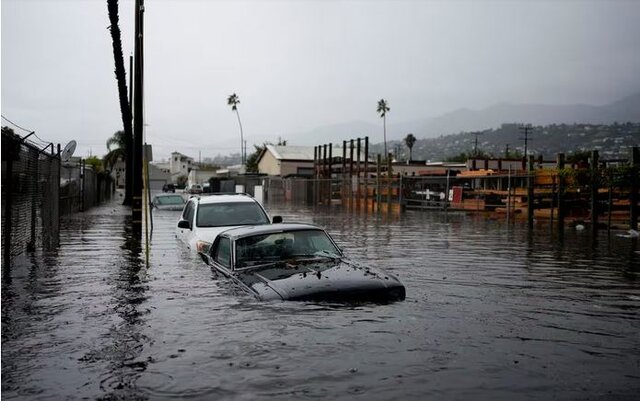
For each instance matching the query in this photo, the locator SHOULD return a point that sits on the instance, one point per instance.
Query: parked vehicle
(168, 188)
(168, 202)
(204, 217)
(297, 262)
(194, 189)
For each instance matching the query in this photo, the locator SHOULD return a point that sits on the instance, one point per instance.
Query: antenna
(68, 150)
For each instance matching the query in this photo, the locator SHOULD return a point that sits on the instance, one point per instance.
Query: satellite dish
(68, 150)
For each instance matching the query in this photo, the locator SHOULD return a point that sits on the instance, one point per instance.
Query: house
(276, 160)
(180, 165)
(284, 161)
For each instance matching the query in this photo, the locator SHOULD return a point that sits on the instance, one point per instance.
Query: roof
(223, 198)
(306, 153)
(246, 231)
(291, 152)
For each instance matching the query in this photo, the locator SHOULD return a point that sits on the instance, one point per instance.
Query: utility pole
(526, 129)
(138, 122)
(475, 146)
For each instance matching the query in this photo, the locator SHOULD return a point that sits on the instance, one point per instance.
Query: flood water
(492, 313)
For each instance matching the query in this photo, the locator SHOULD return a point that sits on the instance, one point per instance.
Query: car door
(185, 234)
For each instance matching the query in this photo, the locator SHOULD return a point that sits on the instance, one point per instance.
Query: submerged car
(168, 202)
(204, 217)
(297, 262)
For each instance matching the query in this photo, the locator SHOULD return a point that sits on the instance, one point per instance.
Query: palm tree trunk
(384, 128)
(125, 110)
(241, 139)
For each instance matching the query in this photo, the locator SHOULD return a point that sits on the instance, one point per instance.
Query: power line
(16, 125)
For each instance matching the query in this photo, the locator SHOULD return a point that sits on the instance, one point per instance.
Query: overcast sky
(298, 65)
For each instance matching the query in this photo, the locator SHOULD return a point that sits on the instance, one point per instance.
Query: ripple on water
(492, 312)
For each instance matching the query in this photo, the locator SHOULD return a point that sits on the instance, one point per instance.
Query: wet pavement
(492, 312)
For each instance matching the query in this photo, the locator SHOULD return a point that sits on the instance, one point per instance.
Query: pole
(128, 168)
(530, 193)
(330, 174)
(561, 189)
(351, 174)
(378, 172)
(344, 174)
(366, 172)
(138, 120)
(358, 175)
(594, 191)
(633, 193)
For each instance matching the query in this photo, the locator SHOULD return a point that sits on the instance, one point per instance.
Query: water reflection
(492, 311)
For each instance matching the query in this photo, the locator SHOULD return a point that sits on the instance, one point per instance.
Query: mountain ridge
(626, 109)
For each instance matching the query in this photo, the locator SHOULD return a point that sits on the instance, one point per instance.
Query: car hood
(332, 281)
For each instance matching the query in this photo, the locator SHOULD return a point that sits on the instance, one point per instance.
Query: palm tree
(382, 110)
(125, 107)
(233, 101)
(118, 142)
(410, 140)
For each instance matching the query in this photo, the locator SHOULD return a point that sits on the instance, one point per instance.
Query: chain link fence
(37, 189)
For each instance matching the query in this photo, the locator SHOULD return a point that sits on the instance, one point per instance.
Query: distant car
(204, 217)
(194, 189)
(297, 262)
(168, 202)
(168, 188)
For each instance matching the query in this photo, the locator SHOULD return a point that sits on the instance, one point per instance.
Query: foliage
(578, 157)
(94, 162)
(118, 142)
(410, 140)
(382, 109)
(464, 156)
(233, 101)
(252, 160)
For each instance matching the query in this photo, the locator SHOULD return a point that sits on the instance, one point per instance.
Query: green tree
(116, 146)
(410, 140)
(252, 160)
(233, 101)
(95, 162)
(382, 109)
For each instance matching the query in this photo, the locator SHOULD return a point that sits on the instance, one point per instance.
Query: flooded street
(492, 312)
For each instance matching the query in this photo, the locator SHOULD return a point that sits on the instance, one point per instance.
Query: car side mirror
(204, 257)
(184, 224)
(276, 219)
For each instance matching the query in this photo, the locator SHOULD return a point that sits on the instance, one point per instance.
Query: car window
(169, 200)
(262, 248)
(230, 214)
(222, 253)
(189, 211)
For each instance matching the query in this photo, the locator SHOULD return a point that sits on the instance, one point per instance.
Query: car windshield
(265, 248)
(230, 214)
(169, 200)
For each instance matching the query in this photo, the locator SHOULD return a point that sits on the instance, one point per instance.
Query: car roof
(166, 195)
(247, 231)
(223, 198)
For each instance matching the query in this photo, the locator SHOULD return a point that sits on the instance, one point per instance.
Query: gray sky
(298, 65)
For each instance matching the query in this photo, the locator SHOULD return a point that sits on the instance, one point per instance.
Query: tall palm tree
(382, 110)
(410, 140)
(118, 142)
(233, 101)
(125, 108)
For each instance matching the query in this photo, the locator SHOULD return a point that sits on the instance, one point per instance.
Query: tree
(94, 162)
(252, 160)
(125, 106)
(233, 101)
(410, 140)
(382, 110)
(118, 142)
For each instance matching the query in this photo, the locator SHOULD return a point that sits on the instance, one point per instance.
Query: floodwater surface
(492, 312)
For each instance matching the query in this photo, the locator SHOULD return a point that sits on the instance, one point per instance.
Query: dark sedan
(297, 262)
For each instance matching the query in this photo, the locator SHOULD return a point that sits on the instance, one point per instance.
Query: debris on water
(353, 370)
